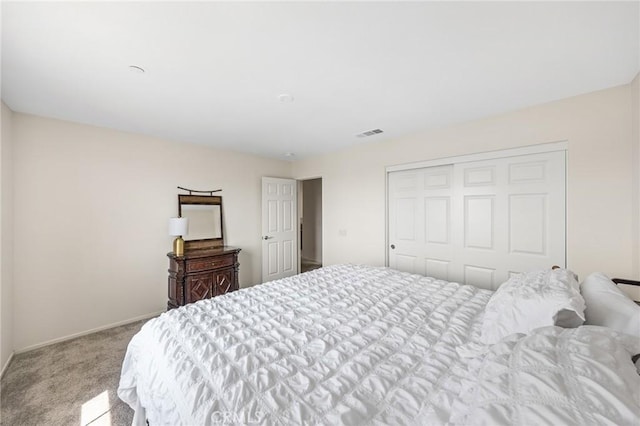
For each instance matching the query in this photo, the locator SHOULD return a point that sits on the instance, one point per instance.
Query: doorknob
(393, 246)
(266, 237)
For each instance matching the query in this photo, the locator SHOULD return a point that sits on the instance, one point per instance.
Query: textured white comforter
(554, 376)
(359, 345)
(340, 345)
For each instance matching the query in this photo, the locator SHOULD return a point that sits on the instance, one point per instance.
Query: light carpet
(68, 383)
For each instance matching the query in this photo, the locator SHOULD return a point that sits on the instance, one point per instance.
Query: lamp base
(178, 246)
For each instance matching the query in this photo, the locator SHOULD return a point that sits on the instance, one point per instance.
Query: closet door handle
(393, 246)
(267, 237)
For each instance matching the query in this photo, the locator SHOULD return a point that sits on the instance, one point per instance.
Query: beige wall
(92, 204)
(91, 228)
(6, 237)
(597, 127)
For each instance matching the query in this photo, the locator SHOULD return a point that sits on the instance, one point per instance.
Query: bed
(352, 344)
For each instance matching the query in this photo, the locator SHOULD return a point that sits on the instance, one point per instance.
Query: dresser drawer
(201, 274)
(210, 263)
(199, 286)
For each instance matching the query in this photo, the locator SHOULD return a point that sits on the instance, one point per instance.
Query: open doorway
(310, 208)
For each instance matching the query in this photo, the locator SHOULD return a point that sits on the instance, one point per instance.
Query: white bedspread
(340, 345)
(359, 345)
(554, 376)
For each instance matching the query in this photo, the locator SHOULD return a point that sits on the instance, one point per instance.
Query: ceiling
(214, 71)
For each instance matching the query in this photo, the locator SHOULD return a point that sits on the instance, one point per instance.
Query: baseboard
(84, 333)
(5, 367)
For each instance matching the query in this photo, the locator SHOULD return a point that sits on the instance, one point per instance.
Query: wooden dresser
(201, 274)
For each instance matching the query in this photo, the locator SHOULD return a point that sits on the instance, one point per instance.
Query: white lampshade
(178, 226)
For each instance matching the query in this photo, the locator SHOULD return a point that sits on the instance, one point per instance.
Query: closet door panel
(419, 221)
(404, 223)
(536, 191)
(479, 222)
(479, 219)
(528, 224)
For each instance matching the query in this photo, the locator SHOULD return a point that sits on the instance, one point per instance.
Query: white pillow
(531, 300)
(608, 306)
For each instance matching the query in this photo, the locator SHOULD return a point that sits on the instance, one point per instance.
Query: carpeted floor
(68, 383)
(309, 265)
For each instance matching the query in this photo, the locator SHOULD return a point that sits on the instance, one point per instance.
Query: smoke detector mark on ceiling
(285, 98)
(369, 133)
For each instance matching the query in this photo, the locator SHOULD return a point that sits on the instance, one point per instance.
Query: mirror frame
(206, 200)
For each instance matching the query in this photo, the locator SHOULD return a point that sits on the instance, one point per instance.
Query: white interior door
(512, 216)
(479, 222)
(420, 221)
(279, 228)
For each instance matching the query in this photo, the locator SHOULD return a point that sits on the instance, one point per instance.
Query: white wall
(6, 237)
(312, 220)
(597, 127)
(91, 205)
(92, 208)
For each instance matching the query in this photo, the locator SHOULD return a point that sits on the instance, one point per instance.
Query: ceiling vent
(369, 133)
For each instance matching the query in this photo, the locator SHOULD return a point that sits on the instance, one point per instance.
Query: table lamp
(178, 226)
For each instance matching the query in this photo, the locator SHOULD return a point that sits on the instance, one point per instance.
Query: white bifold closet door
(479, 222)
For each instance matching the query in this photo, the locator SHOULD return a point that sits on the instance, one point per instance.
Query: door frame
(300, 200)
(478, 156)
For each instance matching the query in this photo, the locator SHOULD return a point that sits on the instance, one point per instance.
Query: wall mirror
(205, 221)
